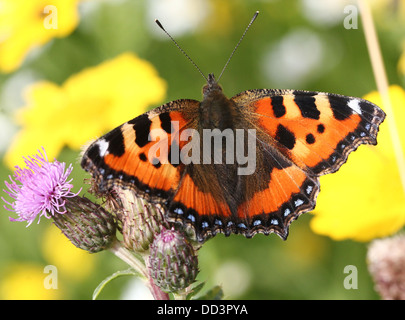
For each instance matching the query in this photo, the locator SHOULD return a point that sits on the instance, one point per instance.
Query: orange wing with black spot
(143, 153)
(315, 130)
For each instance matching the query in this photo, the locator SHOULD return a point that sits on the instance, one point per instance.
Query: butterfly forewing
(315, 130)
(138, 154)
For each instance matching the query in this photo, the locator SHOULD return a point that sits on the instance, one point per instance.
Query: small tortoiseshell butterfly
(170, 156)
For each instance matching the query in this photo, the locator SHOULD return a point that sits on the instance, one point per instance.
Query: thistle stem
(381, 79)
(138, 265)
(128, 257)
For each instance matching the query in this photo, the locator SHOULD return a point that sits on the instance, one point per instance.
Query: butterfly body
(216, 110)
(247, 164)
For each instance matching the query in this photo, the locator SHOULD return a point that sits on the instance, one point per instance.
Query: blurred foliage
(306, 266)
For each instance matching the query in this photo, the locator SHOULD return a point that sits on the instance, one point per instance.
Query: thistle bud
(87, 225)
(140, 220)
(386, 261)
(173, 264)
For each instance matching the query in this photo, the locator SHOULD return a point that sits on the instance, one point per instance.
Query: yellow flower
(71, 262)
(87, 105)
(27, 282)
(365, 199)
(25, 24)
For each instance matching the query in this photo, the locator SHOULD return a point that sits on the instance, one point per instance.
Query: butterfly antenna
(240, 40)
(178, 46)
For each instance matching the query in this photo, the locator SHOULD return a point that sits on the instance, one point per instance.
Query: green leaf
(195, 290)
(215, 293)
(128, 272)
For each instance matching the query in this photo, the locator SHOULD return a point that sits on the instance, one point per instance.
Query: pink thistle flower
(40, 189)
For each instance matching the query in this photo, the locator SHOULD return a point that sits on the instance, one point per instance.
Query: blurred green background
(294, 44)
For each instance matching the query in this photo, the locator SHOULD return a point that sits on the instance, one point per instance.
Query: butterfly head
(212, 87)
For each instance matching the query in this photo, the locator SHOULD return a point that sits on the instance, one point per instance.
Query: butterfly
(249, 164)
